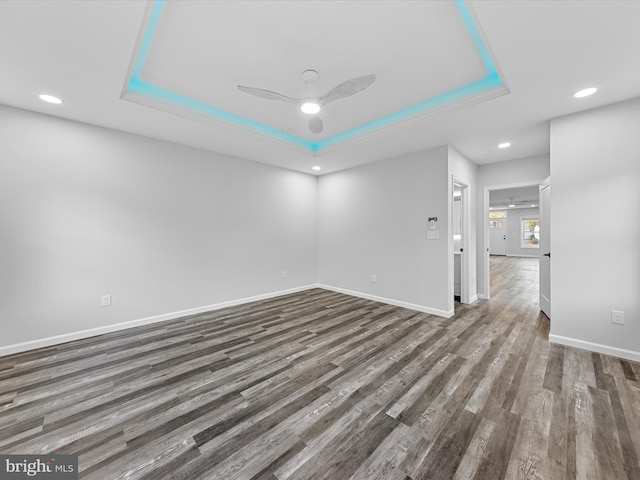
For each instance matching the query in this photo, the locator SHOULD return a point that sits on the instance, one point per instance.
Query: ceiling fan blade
(316, 125)
(347, 88)
(268, 94)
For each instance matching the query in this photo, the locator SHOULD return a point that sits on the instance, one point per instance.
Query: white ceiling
(543, 50)
(175, 67)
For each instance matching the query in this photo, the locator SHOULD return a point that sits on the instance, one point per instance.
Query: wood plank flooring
(320, 385)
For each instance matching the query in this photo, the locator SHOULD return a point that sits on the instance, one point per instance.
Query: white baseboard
(595, 347)
(389, 301)
(68, 337)
(482, 296)
(474, 299)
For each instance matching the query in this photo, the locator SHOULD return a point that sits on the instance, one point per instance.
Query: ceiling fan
(311, 106)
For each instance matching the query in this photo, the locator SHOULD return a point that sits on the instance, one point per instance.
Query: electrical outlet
(284, 274)
(617, 317)
(374, 278)
(106, 300)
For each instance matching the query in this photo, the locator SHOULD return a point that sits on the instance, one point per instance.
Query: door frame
(465, 232)
(484, 249)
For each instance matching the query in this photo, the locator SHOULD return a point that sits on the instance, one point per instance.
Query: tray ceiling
(191, 56)
(85, 52)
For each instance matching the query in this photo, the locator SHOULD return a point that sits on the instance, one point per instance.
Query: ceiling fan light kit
(312, 107)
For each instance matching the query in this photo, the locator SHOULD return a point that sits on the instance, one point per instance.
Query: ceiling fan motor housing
(310, 77)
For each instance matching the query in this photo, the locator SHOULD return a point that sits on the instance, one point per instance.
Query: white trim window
(529, 232)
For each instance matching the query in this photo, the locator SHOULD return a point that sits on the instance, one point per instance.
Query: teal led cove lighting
(165, 96)
(138, 86)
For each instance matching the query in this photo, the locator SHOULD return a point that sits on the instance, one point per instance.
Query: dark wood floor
(320, 385)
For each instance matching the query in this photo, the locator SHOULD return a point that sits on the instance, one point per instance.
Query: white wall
(87, 211)
(510, 173)
(373, 220)
(514, 217)
(595, 179)
(514, 171)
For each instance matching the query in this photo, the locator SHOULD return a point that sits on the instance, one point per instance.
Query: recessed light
(511, 205)
(50, 99)
(310, 108)
(533, 205)
(288, 131)
(317, 167)
(504, 145)
(586, 92)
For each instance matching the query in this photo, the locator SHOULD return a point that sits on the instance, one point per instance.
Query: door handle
(548, 254)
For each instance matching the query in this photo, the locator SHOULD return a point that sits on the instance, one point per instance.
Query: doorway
(461, 255)
(511, 226)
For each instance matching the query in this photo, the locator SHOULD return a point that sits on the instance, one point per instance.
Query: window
(529, 232)
(496, 223)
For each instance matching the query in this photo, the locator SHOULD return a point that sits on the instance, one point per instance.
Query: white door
(461, 225)
(497, 236)
(545, 247)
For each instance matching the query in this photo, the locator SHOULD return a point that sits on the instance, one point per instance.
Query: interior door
(545, 247)
(497, 236)
(461, 227)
